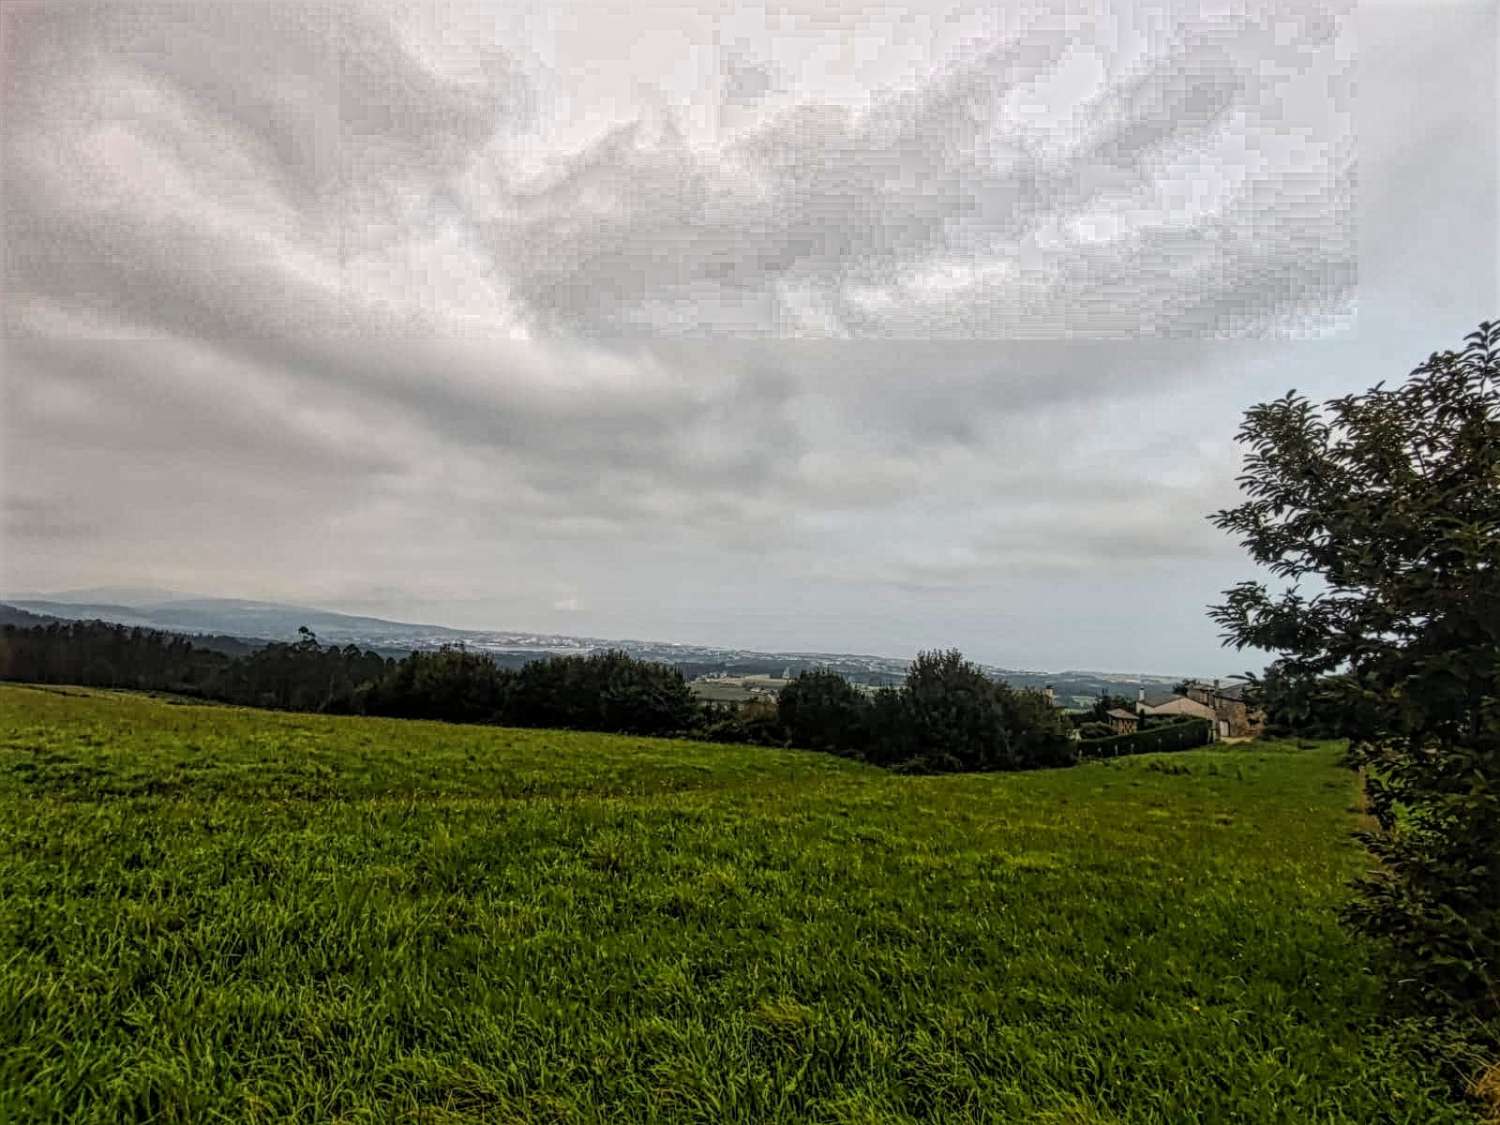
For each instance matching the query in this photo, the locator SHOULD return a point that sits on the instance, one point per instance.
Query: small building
(1121, 721)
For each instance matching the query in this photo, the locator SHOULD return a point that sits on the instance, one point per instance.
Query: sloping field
(209, 914)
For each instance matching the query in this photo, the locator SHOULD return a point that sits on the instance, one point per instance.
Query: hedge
(1182, 735)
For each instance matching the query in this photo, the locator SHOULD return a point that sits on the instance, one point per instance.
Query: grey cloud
(825, 214)
(821, 222)
(313, 92)
(113, 392)
(1089, 527)
(747, 81)
(259, 333)
(33, 521)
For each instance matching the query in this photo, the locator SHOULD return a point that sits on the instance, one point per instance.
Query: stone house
(1223, 705)
(1232, 715)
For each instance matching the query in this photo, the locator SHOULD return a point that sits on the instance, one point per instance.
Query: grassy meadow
(218, 915)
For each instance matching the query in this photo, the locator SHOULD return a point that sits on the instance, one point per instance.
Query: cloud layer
(270, 166)
(382, 306)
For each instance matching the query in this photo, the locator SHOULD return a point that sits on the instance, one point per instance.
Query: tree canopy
(1380, 512)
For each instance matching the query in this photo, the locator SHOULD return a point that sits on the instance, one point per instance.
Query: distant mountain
(277, 621)
(82, 611)
(258, 622)
(24, 619)
(10, 615)
(128, 596)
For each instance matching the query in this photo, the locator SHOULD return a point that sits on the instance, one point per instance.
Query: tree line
(946, 716)
(603, 691)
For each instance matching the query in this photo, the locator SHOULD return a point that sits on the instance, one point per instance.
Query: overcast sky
(808, 326)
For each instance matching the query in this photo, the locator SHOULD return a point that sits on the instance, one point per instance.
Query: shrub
(762, 723)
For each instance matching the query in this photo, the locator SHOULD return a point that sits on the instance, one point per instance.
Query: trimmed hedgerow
(1182, 735)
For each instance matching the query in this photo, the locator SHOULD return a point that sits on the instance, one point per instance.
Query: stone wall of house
(1242, 723)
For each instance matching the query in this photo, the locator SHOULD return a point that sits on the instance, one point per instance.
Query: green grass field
(209, 914)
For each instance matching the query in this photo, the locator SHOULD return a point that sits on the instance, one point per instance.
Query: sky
(799, 326)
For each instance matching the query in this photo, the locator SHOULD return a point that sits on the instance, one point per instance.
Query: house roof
(1119, 713)
(1157, 698)
(1181, 705)
(1223, 691)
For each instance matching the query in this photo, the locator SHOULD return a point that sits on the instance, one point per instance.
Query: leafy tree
(720, 722)
(300, 676)
(1038, 735)
(641, 697)
(950, 716)
(954, 720)
(1296, 704)
(99, 654)
(1099, 712)
(820, 710)
(451, 683)
(604, 691)
(887, 732)
(1390, 502)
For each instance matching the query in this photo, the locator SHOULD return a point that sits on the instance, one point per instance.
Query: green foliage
(301, 676)
(754, 723)
(1150, 722)
(821, 710)
(113, 656)
(1390, 501)
(1297, 704)
(888, 737)
(451, 683)
(608, 691)
(1040, 736)
(213, 914)
(949, 716)
(604, 691)
(1182, 734)
(1099, 712)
